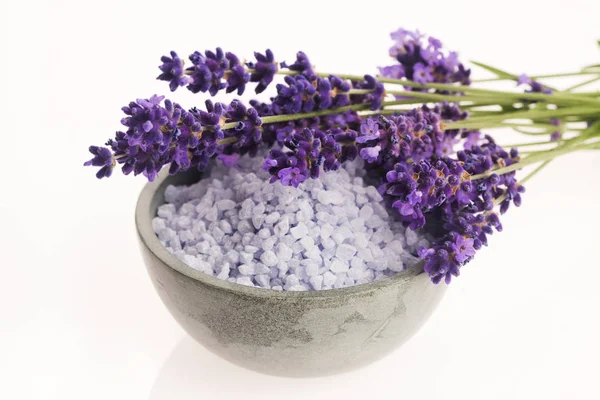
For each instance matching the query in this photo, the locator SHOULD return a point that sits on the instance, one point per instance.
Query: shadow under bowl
(314, 333)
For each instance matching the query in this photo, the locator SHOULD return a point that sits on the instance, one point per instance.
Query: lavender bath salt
(331, 232)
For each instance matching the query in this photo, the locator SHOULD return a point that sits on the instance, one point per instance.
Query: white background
(79, 318)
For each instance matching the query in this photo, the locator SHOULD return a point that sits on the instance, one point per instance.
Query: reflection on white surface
(192, 372)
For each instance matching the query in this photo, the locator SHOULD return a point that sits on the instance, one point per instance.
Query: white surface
(79, 318)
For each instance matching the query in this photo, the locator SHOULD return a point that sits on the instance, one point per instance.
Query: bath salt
(329, 233)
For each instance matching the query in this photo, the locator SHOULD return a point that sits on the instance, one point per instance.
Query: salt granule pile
(330, 232)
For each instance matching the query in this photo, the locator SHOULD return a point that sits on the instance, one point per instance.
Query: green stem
(485, 104)
(561, 75)
(291, 117)
(586, 134)
(519, 127)
(476, 113)
(534, 159)
(388, 111)
(584, 83)
(228, 140)
(540, 151)
(483, 122)
(519, 145)
(538, 76)
(550, 98)
(532, 125)
(529, 133)
(589, 94)
(534, 172)
(549, 131)
(435, 97)
(554, 98)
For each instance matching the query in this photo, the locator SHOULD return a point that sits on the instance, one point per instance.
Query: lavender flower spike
(265, 68)
(208, 71)
(102, 158)
(302, 65)
(173, 72)
(423, 61)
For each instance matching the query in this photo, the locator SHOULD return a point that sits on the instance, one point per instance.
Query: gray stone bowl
(296, 334)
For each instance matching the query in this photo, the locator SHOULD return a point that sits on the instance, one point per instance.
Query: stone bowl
(297, 334)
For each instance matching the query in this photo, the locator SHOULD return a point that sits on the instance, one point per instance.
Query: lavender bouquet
(417, 126)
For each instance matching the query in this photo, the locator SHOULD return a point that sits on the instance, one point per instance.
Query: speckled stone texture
(284, 333)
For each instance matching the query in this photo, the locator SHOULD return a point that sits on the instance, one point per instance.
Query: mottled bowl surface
(283, 333)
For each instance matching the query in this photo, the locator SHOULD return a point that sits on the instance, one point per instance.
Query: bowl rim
(149, 239)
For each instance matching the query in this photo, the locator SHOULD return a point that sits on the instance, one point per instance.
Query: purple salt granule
(328, 233)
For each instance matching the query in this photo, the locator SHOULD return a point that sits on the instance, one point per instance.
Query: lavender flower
(463, 248)
(247, 136)
(556, 135)
(417, 188)
(230, 160)
(301, 65)
(415, 134)
(265, 68)
(236, 76)
(208, 71)
(369, 130)
(440, 189)
(393, 71)
(102, 158)
(298, 95)
(472, 138)
(339, 92)
(291, 176)
(451, 63)
(423, 61)
(173, 72)
(159, 135)
(404, 40)
(370, 154)
(375, 97)
(465, 234)
(145, 118)
(309, 151)
(480, 159)
(534, 86)
(422, 73)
